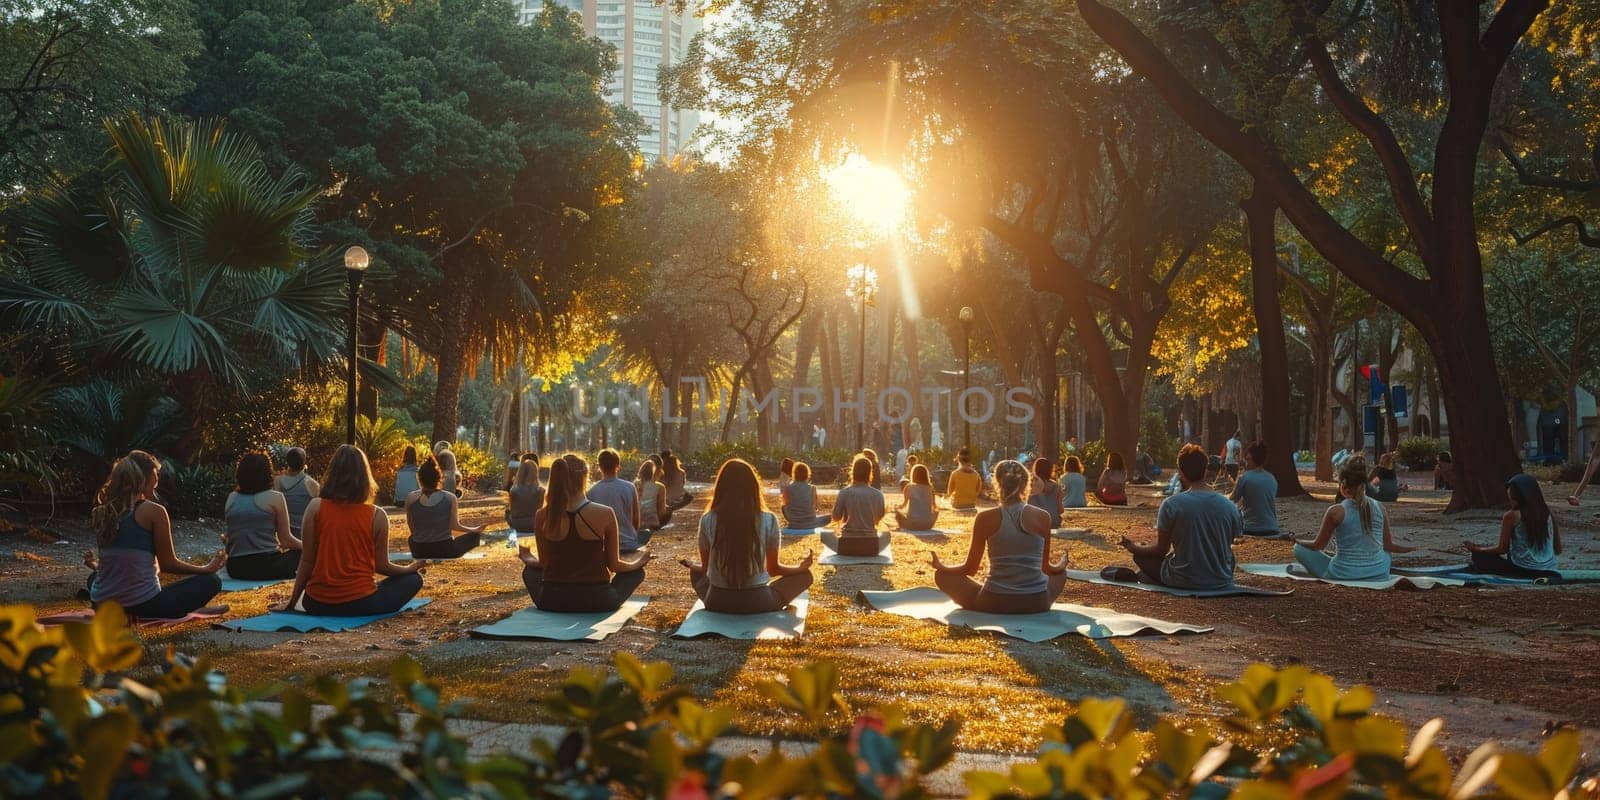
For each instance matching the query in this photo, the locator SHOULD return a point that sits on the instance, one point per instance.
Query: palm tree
(189, 263)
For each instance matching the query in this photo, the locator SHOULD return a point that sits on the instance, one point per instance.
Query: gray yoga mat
(231, 584)
(470, 555)
(801, 531)
(1464, 572)
(531, 623)
(928, 532)
(1062, 618)
(1235, 590)
(301, 622)
(1381, 584)
(790, 623)
(834, 559)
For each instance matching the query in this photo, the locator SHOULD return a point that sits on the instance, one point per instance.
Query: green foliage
(1093, 455)
(1156, 441)
(484, 470)
(631, 733)
(382, 439)
(105, 420)
(195, 491)
(1419, 452)
(766, 460)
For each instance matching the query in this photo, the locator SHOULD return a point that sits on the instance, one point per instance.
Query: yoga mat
(801, 531)
(231, 584)
(531, 623)
(928, 532)
(470, 555)
(84, 615)
(301, 622)
(1391, 582)
(1060, 620)
(1066, 533)
(1464, 572)
(830, 557)
(1094, 577)
(790, 623)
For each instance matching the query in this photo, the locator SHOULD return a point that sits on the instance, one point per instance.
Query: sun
(872, 193)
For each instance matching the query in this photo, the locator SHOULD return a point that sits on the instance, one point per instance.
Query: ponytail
(117, 495)
(1010, 481)
(1353, 478)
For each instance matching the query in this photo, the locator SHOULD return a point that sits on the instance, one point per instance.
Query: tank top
(919, 508)
(573, 559)
(251, 529)
(1360, 554)
(648, 491)
(345, 559)
(1527, 556)
(128, 569)
(674, 484)
(802, 506)
(522, 504)
(1015, 556)
(405, 482)
(296, 496)
(1049, 502)
(430, 523)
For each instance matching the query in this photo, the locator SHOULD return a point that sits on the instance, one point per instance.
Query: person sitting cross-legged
(963, 485)
(859, 508)
(1194, 534)
(1046, 493)
(1358, 528)
(653, 512)
(800, 501)
(1016, 539)
(579, 566)
(259, 542)
(739, 571)
(1256, 492)
(346, 541)
(1112, 489)
(433, 515)
(1072, 484)
(623, 499)
(1529, 540)
(526, 495)
(917, 511)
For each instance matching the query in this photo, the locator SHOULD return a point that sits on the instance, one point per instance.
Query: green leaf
(104, 745)
(106, 643)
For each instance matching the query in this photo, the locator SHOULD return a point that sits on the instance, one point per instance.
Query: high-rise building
(647, 36)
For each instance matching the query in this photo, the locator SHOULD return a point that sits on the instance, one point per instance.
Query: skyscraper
(647, 36)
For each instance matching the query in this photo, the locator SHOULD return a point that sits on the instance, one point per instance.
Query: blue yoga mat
(301, 622)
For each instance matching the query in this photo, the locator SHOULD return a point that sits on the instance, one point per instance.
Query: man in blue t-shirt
(1257, 493)
(622, 498)
(1195, 530)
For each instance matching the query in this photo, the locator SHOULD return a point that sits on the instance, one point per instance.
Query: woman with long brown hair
(345, 542)
(434, 516)
(579, 566)
(1358, 529)
(675, 480)
(260, 544)
(739, 571)
(133, 545)
(1112, 490)
(1016, 539)
(917, 510)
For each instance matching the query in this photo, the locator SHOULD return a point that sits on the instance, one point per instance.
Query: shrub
(1419, 452)
(632, 734)
(193, 491)
(484, 470)
(1157, 442)
(1093, 455)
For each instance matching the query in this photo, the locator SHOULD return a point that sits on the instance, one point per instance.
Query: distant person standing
(622, 498)
(915, 440)
(1232, 455)
(1256, 492)
(819, 435)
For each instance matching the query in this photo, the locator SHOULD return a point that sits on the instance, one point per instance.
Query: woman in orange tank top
(346, 541)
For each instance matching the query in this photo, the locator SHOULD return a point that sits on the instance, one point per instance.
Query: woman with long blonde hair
(653, 512)
(525, 496)
(133, 545)
(1016, 538)
(579, 565)
(739, 571)
(1357, 527)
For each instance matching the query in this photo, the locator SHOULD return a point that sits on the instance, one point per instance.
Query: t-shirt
(964, 489)
(1072, 486)
(621, 496)
(862, 507)
(758, 571)
(1201, 525)
(1257, 496)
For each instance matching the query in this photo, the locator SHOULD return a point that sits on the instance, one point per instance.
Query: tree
(1446, 303)
(1261, 222)
(188, 264)
(65, 65)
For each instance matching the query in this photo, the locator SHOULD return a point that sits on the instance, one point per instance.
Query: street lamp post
(861, 286)
(966, 316)
(355, 264)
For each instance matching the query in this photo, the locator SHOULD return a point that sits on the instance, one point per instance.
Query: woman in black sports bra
(578, 567)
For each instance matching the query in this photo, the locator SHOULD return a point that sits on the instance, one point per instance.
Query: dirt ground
(1504, 663)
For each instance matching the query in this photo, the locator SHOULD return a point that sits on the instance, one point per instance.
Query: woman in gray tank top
(1016, 536)
(431, 514)
(800, 502)
(260, 543)
(297, 487)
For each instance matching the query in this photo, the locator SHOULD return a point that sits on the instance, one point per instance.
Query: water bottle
(511, 541)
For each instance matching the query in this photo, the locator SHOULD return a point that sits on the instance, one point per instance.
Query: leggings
(391, 595)
(1111, 499)
(806, 523)
(1493, 564)
(580, 597)
(683, 500)
(852, 544)
(281, 565)
(774, 596)
(640, 539)
(971, 595)
(449, 548)
(177, 599)
(909, 523)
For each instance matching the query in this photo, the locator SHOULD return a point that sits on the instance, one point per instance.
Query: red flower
(866, 722)
(691, 785)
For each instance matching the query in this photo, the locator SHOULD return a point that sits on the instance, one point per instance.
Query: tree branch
(1527, 177)
(1585, 238)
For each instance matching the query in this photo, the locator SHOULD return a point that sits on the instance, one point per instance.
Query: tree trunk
(1483, 452)
(1260, 219)
(451, 359)
(1573, 456)
(913, 348)
(1322, 383)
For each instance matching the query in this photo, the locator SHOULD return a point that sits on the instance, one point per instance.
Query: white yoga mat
(928, 532)
(1067, 533)
(1062, 618)
(231, 584)
(1094, 577)
(790, 623)
(834, 559)
(531, 623)
(1390, 582)
(801, 531)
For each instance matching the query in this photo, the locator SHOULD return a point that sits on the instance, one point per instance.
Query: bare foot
(220, 608)
(93, 563)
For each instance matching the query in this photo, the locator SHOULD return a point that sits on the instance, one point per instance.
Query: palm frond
(153, 331)
(75, 243)
(35, 307)
(104, 420)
